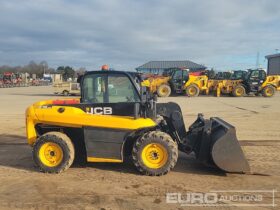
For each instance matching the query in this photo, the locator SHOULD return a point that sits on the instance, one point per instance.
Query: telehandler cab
(116, 117)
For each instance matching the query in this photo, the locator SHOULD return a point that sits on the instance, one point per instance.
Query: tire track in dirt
(263, 156)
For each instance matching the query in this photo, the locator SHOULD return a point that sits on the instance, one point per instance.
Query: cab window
(177, 74)
(262, 75)
(94, 88)
(120, 89)
(254, 75)
(103, 88)
(185, 76)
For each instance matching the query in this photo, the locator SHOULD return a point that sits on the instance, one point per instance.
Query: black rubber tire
(238, 88)
(160, 138)
(189, 91)
(266, 89)
(65, 144)
(165, 93)
(65, 93)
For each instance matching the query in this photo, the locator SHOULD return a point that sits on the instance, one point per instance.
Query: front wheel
(192, 91)
(164, 90)
(268, 91)
(53, 152)
(239, 91)
(155, 153)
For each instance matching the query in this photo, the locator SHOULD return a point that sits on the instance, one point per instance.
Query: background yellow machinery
(179, 81)
(256, 82)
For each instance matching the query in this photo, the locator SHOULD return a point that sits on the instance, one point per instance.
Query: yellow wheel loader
(116, 117)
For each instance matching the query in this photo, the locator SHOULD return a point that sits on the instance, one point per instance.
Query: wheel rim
(51, 154)
(192, 91)
(154, 155)
(239, 92)
(163, 91)
(269, 92)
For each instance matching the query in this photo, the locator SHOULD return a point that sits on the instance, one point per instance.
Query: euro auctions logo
(250, 198)
(192, 198)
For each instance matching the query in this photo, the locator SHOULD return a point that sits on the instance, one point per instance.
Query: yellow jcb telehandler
(116, 117)
(179, 81)
(255, 81)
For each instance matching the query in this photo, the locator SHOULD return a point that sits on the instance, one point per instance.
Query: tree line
(40, 68)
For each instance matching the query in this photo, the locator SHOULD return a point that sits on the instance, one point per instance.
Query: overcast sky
(224, 34)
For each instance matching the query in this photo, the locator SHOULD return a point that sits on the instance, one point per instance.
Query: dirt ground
(120, 186)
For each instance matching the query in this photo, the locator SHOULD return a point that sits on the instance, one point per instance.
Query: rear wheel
(53, 152)
(192, 91)
(268, 91)
(164, 90)
(239, 91)
(155, 153)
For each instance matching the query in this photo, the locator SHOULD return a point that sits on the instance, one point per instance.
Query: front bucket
(216, 144)
(226, 150)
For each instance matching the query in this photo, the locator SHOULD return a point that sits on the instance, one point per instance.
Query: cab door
(177, 81)
(108, 98)
(255, 80)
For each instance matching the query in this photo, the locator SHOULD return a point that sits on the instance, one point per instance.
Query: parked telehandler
(256, 81)
(117, 116)
(179, 81)
(225, 86)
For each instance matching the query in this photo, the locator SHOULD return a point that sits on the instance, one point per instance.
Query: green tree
(66, 71)
(32, 68)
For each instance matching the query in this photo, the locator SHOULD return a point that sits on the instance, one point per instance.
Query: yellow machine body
(200, 81)
(157, 81)
(44, 112)
(273, 80)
